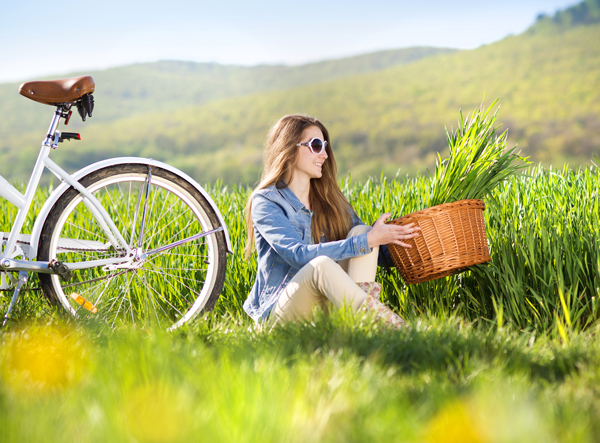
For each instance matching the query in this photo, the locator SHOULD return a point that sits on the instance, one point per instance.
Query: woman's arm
(384, 234)
(275, 227)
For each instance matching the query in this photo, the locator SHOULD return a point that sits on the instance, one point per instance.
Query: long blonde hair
(332, 213)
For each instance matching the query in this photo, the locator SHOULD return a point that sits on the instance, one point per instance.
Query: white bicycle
(126, 240)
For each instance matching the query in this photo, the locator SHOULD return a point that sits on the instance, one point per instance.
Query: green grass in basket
(478, 160)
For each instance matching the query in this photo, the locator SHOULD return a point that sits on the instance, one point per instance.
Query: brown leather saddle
(57, 92)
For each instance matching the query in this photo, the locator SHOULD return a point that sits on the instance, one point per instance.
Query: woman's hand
(383, 234)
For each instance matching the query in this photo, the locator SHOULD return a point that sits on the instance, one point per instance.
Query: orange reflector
(83, 302)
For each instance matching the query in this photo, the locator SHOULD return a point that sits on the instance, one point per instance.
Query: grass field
(336, 378)
(506, 352)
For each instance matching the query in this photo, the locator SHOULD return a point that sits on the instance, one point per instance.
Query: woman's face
(309, 165)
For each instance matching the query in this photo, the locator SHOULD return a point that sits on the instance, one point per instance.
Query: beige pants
(323, 282)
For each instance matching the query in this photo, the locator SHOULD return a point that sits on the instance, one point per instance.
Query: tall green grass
(478, 160)
(544, 234)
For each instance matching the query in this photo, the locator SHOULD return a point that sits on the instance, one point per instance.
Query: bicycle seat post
(51, 139)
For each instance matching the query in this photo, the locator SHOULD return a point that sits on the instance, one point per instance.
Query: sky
(44, 38)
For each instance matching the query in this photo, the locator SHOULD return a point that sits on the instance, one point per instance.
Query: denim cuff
(361, 244)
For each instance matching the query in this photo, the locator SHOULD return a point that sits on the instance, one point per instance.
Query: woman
(312, 248)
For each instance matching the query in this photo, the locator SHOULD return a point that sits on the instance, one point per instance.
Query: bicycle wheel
(168, 288)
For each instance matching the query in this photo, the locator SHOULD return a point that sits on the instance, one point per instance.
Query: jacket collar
(289, 195)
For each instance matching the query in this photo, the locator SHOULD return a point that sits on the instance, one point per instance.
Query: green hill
(380, 120)
(169, 85)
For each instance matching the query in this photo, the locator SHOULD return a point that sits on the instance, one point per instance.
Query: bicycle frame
(23, 203)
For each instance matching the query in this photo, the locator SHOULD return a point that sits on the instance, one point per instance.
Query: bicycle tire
(168, 289)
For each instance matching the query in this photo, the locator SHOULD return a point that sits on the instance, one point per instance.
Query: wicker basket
(452, 237)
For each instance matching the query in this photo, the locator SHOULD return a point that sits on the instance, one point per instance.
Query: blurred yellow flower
(157, 413)
(455, 424)
(42, 358)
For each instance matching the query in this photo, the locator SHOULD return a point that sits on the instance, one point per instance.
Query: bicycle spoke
(78, 227)
(174, 277)
(156, 223)
(115, 207)
(145, 213)
(128, 206)
(186, 269)
(169, 252)
(165, 300)
(168, 224)
(122, 300)
(131, 306)
(95, 279)
(96, 302)
(135, 216)
(171, 240)
(147, 285)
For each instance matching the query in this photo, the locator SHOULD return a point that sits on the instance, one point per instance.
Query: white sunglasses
(315, 144)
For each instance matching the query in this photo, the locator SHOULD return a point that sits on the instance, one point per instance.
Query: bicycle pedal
(83, 302)
(61, 269)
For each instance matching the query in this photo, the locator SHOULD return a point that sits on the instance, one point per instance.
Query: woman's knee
(322, 261)
(358, 230)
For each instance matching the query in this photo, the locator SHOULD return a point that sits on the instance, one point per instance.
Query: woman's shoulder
(265, 194)
(266, 190)
(271, 192)
(266, 199)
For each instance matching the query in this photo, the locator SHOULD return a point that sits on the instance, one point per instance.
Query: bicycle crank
(52, 267)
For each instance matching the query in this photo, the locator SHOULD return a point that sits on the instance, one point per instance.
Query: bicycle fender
(62, 188)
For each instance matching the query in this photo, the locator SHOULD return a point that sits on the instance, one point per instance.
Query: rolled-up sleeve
(275, 227)
(384, 258)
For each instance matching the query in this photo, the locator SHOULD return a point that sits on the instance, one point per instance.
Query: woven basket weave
(452, 237)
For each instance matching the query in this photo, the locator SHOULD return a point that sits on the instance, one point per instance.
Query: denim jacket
(283, 243)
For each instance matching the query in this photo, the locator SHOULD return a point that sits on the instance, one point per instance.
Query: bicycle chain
(72, 284)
